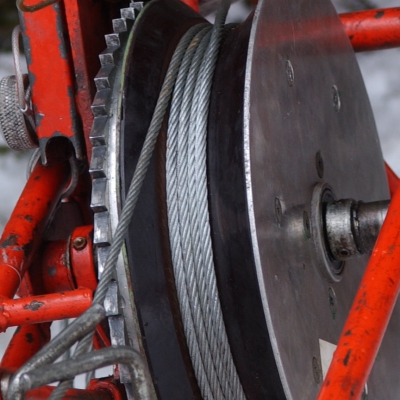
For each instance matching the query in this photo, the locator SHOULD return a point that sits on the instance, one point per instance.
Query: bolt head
(79, 243)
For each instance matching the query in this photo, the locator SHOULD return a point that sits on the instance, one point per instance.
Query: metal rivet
(289, 73)
(317, 370)
(79, 243)
(332, 302)
(319, 163)
(306, 224)
(278, 211)
(336, 98)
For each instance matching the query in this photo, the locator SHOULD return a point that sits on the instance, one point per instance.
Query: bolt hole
(344, 253)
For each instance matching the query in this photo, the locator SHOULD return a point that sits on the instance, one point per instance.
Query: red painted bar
(370, 313)
(44, 308)
(23, 232)
(373, 29)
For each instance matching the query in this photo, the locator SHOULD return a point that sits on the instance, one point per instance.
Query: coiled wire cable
(188, 219)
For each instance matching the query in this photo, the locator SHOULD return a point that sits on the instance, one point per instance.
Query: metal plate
(305, 98)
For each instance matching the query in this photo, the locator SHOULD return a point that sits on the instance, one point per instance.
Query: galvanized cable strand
(188, 221)
(134, 189)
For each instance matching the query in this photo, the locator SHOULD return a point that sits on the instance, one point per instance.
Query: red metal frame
(71, 32)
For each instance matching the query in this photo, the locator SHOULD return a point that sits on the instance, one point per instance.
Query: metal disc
(308, 132)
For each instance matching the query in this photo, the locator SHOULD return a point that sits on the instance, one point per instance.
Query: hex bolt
(319, 164)
(317, 370)
(336, 98)
(306, 224)
(289, 73)
(332, 302)
(278, 211)
(79, 243)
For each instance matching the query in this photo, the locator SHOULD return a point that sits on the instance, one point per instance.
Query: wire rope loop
(36, 7)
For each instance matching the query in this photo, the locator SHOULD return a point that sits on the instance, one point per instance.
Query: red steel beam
(373, 29)
(52, 80)
(44, 308)
(23, 232)
(370, 313)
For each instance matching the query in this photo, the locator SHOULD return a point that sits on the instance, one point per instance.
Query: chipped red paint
(370, 313)
(373, 29)
(25, 343)
(56, 273)
(51, 77)
(82, 262)
(44, 308)
(23, 233)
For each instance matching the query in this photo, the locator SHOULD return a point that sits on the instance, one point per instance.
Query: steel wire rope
(188, 221)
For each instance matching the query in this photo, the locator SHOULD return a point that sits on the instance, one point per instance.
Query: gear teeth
(102, 229)
(102, 112)
(98, 163)
(102, 254)
(97, 134)
(137, 5)
(99, 201)
(101, 102)
(112, 40)
(103, 77)
(108, 56)
(128, 13)
(120, 25)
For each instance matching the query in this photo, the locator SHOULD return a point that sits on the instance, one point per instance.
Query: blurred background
(380, 71)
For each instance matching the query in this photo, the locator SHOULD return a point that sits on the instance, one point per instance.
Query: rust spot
(346, 359)
(348, 333)
(12, 240)
(29, 338)
(379, 14)
(28, 218)
(51, 271)
(34, 305)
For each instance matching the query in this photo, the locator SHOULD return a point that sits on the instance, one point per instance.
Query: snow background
(380, 71)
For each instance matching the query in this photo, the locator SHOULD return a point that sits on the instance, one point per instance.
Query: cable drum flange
(16, 131)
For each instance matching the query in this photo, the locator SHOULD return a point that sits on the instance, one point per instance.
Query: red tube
(48, 307)
(23, 232)
(370, 313)
(373, 29)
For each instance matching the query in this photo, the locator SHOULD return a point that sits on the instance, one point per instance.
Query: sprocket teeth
(128, 13)
(103, 77)
(99, 127)
(98, 164)
(99, 200)
(102, 229)
(101, 102)
(112, 40)
(108, 56)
